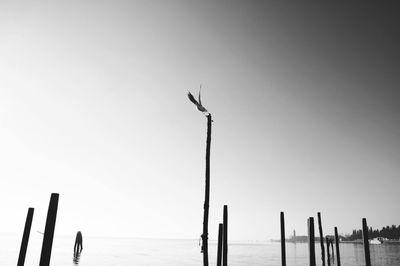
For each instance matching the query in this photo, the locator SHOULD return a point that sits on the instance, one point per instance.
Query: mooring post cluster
(222, 245)
(330, 249)
(311, 242)
(48, 233)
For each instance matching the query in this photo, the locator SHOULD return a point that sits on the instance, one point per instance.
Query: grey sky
(93, 105)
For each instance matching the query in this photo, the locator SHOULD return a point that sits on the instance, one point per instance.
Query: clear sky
(305, 98)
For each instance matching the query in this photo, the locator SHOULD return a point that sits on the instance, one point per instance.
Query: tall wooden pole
(225, 237)
(337, 247)
(366, 243)
(321, 237)
(49, 231)
(311, 240)
(25, 237)
(204, 236)
(283, 244)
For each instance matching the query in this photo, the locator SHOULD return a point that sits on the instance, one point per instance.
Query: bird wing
(200, 97)
(198, 105)
(192, 99)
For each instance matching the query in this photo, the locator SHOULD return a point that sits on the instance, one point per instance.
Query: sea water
(98, 251)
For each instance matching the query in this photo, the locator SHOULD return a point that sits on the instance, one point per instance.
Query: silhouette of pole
(207, 195)
(311, 241)
(366, 243)
(328, 252)
(337, 247)
(225, 236)
(204, 236)
(25, 237)
(321, 237)
(49, 231)
(283, 244)
(219, 249)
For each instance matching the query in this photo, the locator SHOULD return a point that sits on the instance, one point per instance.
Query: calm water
(155, 252)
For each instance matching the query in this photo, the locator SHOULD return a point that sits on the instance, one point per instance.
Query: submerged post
(337, 247)
(283, 246)
(311, 241)
(366, 243)
(219, 248)
(225, 237)
(49, 231)
(321, 239)
(25, 237)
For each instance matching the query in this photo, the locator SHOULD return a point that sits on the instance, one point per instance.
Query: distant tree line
(388, 232)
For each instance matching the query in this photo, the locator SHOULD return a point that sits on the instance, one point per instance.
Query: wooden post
(327, 252)
(25, 237)
(49, 231)
(337, 247)
(311, 241)
(219, 249)
(283, 247)
(366, 243)
(225, 237)
(321, 239)
(204, 236)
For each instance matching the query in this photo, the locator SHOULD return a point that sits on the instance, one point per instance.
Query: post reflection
(76, 258)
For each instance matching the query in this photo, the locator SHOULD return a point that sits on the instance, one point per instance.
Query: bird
(198, 104)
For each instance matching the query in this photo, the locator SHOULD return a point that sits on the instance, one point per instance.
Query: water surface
(98, 251)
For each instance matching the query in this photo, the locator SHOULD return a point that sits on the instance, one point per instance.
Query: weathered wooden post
(337, 247)
(219, 248)
(283, 246)
(328, 252)
(225, 237)
(321, 239)
(204, 235)
(366, 243)
(49, 231)
(311, 241)
(25, 237)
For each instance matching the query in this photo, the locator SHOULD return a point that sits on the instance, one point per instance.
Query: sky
(93, 106)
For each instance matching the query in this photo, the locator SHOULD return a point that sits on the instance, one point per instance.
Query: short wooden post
(337, 247)
(49, 231)
(366, 243)
(321, 239)
(294, 236)
(219, 249)
(328, 254)
(283, 247)
(311, 241)
(225, 237)
(25, 237)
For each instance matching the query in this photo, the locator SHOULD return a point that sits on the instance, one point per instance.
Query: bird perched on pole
(198, 104)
